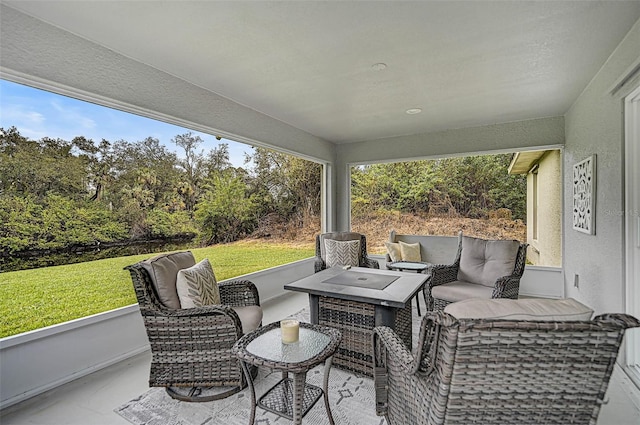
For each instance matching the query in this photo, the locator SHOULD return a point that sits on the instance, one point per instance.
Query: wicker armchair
(363, 259)
(497, 371)
(191, 347)
(466, 278)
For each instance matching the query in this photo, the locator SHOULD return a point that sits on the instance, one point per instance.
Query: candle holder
(290, 330)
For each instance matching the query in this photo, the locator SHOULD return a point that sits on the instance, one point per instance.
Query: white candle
(290, 331)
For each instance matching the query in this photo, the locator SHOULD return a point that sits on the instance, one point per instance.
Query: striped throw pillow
(342, 253)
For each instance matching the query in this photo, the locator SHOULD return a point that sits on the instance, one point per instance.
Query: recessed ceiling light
(414, 111)
(379, 66)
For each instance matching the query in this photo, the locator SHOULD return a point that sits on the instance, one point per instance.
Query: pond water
(35, 260)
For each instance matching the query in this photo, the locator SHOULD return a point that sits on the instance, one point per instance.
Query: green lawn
(32, 299)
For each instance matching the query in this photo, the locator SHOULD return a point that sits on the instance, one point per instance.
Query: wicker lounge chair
(321, 254)
(498, 371)
(191, 347)
(483, 269)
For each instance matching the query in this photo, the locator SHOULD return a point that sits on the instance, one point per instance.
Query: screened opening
(86, 190)
(484, 196)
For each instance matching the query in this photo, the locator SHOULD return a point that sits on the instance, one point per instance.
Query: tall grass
(32, 299)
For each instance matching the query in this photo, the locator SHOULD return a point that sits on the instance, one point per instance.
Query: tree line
(471, 186)
(56, 194)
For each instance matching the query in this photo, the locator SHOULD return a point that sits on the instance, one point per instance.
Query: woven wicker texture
(356, 322)
(192, 347)
(505, 287)
(497, 372)
(280, 398)
(291, 398)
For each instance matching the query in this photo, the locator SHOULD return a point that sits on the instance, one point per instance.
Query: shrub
(225, 213)
(55, 222)
(164, 224)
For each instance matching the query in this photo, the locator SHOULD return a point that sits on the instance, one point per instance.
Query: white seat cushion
(458, 291)
(525, 309)
(250, 317)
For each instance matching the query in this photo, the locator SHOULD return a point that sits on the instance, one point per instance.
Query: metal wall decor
(584, 196)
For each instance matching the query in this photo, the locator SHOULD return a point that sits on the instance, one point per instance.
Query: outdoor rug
(351, 398)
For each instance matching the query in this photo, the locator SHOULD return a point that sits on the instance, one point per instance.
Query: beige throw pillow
(342, 253)
(394, 251)
(410, 252)
(197, 286)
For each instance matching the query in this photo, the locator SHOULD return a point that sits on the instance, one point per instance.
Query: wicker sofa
(516, 362)
(191, 347)
(433, 249)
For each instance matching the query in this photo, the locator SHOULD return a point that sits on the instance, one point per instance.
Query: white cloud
(38, 114)
(32, 133)
(35, 117)
(21, 116)
(73, 116)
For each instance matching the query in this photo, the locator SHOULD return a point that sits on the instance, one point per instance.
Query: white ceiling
(310, 64)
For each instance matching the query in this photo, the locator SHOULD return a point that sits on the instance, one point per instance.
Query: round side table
(414, 267)
(289, 398)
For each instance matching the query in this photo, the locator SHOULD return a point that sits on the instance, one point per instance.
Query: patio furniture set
(482, 355)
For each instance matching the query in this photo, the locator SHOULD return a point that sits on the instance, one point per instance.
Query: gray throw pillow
(483, 261)
(163, 270)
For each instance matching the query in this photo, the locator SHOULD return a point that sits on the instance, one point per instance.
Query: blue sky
(38, 113)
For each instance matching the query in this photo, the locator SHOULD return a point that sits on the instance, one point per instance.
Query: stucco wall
(594, 125)
(533, 254)
(546, 250)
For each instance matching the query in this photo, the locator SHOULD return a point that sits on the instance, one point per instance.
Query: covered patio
(343, 84)
(93, 398)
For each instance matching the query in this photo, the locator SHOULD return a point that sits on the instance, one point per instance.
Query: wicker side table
(289, 398)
